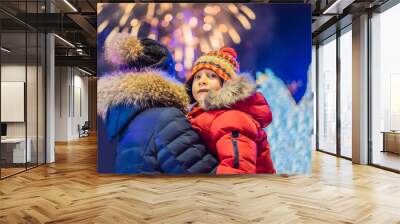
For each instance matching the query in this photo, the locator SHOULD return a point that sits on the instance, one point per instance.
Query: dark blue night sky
(279, 40)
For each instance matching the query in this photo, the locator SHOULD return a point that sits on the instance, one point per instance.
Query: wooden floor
(70, 191)
(5, 172)
(10, 171)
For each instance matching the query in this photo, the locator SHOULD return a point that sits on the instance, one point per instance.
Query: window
(385, 88)
(346, 93)
(327, 96)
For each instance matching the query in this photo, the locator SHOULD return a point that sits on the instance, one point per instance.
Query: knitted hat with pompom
(223, 62)
(129, 52)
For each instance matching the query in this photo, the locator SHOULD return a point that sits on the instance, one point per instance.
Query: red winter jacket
(231, 123)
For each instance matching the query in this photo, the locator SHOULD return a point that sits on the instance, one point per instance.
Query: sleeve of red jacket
(234, 132)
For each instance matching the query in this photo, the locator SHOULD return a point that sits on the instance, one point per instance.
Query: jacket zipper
(235, 134)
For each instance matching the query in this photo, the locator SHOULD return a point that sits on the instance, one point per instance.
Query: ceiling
(75, 21)
(332, 15)
(72, 20)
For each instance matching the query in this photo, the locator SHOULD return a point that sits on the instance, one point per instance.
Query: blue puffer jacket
(144, 112)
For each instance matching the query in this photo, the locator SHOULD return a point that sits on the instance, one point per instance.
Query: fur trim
(121, 48)
(232, 91)
(144, 89)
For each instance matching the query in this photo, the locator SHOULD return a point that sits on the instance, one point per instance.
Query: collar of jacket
(143, 89)
(232, 91)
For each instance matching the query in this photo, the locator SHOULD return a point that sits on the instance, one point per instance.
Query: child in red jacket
(229, 114)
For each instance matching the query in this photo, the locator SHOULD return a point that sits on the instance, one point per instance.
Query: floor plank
(71, 191)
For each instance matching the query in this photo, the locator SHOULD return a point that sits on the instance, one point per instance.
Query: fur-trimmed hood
(232, 91)
(126, 94)
(238, 93)
(144, 89)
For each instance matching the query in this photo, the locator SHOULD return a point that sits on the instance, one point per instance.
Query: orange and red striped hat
(223, 62)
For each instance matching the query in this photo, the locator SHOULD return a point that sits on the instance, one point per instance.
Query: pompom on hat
(128, 52)
(223, 62)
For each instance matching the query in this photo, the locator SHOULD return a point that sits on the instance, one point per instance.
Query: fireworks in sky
(186, 29)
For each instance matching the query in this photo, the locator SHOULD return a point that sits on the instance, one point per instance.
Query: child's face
(204, 81)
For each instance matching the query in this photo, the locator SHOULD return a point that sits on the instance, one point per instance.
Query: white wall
(13, 73)
(61, 103)
(33, 127)
(16, 73)
(70, 83)
(81, 100)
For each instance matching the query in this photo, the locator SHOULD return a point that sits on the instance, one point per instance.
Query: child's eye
(213, 75)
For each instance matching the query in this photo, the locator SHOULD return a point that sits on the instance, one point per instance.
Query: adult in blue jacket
(144, 111)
